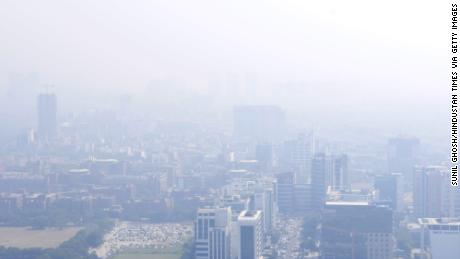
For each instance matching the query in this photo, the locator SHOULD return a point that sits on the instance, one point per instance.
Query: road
(288, 246)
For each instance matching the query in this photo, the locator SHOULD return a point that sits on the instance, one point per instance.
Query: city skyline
(228, 130)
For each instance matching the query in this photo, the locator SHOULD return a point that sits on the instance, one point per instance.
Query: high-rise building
(258, 123)
(440, 237)
(401, 157)
(292, 198)
(451, 199)
(250, 233)
(263, 200)
(337, 177)
(284, 189)
(302, 198)
(271, 210)
(47, 116)
(297, 155)
(432, 194)
(390, 190)
(428, 191)
(219, 243)
(236, 203)
(321, 165)
(213, 233)
(356, 230)
(264, 155)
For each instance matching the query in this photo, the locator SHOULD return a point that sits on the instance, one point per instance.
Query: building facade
(213, 233)
(250, 233)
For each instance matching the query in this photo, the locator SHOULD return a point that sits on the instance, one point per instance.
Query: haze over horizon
(305, 57)
(243, 129)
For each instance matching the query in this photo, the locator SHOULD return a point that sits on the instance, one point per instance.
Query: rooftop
(439, 221)
(250, 214)
(347, 203)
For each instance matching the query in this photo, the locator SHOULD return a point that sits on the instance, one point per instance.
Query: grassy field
(149, 254)
(22, 237)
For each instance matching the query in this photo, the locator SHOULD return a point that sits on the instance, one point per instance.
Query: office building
(389, 190)
(250, 233)
(321, 166)
(451, 199)
(433, 195)
(401, 156)
(302, 198)
(440, 237)
(356, 230)
(428, 192)
(263, 200)
(47, 116)
(297, 155)
(236, 203)
(270, 210)
(264, 155)
(284, 189)
(337, 177)
(213, 233)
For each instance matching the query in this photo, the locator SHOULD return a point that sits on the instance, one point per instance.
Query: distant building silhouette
(337, 177)
(321, 166)
(401, 157)
(297, 155)
(264, 155)
(47, 116)
(284, 189)
(428, 192)
(390, 190)
(433, 195)
(292, 198)
(258, 123)
(302, 198)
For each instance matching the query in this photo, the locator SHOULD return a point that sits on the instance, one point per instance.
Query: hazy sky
(312, 54)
